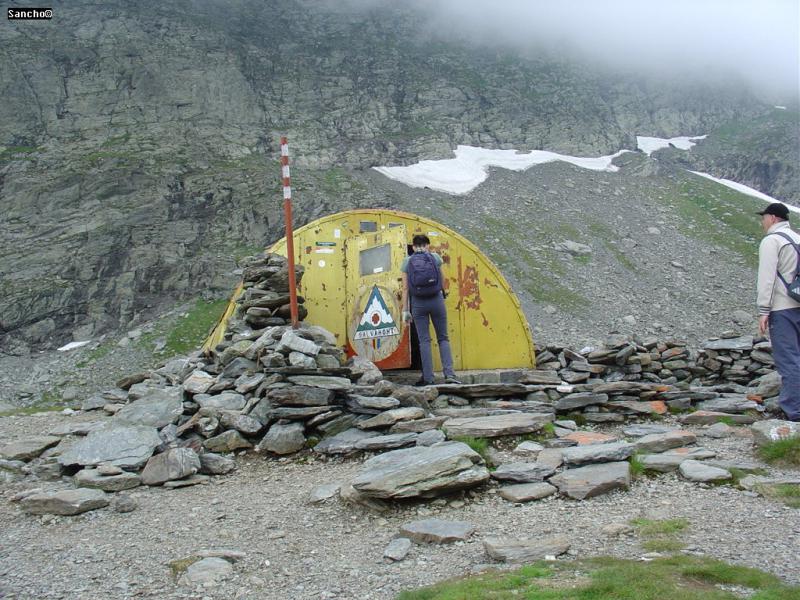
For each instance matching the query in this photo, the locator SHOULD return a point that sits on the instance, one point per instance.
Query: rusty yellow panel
(486, 325)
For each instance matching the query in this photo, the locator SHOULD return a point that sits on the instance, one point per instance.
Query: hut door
(374, 288)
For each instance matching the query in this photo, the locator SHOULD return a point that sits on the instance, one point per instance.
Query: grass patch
(191, 330)
(637, 468)
(665, 544)
(674, 577)
(479, 445)
(607, 237)
(722, 215)
(95, 354)
(785, 452)
(787, 493)
(549, 429)
(653, 527)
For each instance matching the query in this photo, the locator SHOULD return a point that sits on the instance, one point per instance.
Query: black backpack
(424, 280)
(793, 286)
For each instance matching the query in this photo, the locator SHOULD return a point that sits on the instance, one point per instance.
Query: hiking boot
(421, 382)
(452, 380)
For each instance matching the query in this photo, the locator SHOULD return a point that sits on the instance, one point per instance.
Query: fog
(757, 40)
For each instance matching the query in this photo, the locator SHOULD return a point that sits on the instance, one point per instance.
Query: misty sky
(759, 39)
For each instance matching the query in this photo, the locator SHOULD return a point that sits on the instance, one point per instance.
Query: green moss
(95, 354)
(665, 544)
(637, 469)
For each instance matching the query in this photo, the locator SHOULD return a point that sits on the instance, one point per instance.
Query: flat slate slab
(671, 460)
(525, 492)
(387, 442)
(659, 442)
(344, 442)
(321, 381)
(522, 472)
(709, 417)
(586, 482)
(597, 453)
(588, 438)
(437, 531)
(496, 425)
(122, 444)
(397, 549)
(737, 404)
(392, 416)
(418, 425)
(28, 448)
(157, 408)
(524, 551)
(65, 502)
(483, 390)
(644, 429)
(420, 471)
(744, 342)
(694, 470)
(93, 478)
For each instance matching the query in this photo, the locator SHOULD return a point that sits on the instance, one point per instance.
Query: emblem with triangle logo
(376, 320)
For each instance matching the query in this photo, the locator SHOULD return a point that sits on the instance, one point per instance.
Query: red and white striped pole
(287, 214)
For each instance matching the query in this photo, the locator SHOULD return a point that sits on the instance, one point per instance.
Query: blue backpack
(423, 275)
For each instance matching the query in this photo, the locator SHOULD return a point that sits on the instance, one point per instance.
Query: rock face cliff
(138, 146)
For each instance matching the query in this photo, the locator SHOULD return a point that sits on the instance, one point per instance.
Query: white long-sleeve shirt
(776, 254)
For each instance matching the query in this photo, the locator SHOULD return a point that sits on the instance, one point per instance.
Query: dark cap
(777, 209)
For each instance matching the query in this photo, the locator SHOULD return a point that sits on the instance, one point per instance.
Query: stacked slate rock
(264, 301)
(271, 389)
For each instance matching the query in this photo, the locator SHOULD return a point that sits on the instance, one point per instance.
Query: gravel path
(333, 550)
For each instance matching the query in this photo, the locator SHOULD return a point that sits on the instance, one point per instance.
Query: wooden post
(287, 215)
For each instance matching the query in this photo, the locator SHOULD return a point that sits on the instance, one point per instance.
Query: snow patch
(780, 107)
(470, 167)
(73, 345)
(648, 145)
(739, 187)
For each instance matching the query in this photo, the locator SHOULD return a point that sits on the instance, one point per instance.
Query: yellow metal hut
(352, 287)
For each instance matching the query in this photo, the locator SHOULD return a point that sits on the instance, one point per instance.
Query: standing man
(778, 262)
(423, 282)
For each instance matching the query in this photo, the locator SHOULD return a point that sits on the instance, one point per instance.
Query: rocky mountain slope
(138, 152)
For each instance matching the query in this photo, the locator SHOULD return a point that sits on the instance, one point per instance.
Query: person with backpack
(423, 286)
(779, 301)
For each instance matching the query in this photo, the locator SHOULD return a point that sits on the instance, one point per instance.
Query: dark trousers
(425, 310)
(784, 332)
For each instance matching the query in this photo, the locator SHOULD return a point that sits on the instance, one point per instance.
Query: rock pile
(276, 390)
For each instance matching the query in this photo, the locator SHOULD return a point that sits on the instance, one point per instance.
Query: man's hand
(763, 324)
(406, 316)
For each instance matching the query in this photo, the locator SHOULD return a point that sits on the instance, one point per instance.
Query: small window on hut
(368, 226)
(375, 260)
(393, 225)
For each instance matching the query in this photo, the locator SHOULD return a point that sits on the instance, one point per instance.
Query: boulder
(586, 482)
(175, 463)
(122, 444)
(226, 442)
(157, 408)
(597, 453)
(387, 442)
(525, 492)
(772, 430)
(694, 470)
(223, 401)
(343, 442)
(437, 531)
(94, 478)
(64, 502)
(524, 551)
(390, 417)
(28, 448)
(283, 439)
(216, 464)
(198, 382)
(421, 471)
